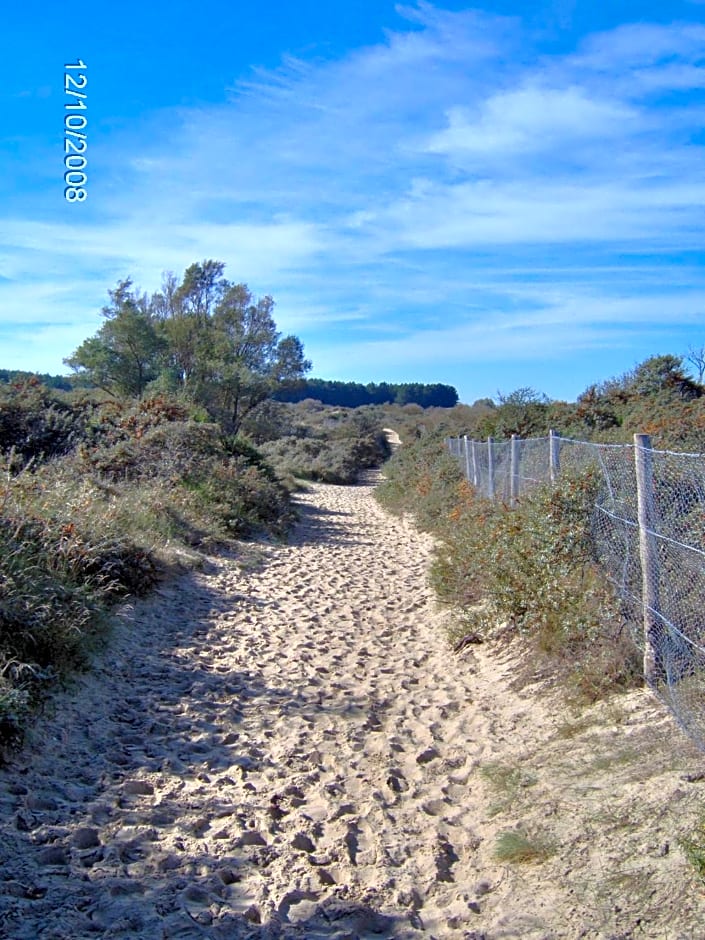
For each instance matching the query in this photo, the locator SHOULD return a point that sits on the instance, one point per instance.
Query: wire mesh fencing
(648, 534)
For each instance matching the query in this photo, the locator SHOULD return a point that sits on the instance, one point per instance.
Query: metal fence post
(490, 468)
(514, 471)
(475, 475)
(554, 442)
(467, 458)
(653, 661)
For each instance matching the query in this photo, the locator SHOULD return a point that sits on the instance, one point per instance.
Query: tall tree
(202, 287)
(206, 337)
(123, 357)
(184, 312)
(247, 359)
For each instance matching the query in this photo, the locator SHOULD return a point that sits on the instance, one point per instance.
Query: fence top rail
(677, 453)
(572, 440)
(527, 440)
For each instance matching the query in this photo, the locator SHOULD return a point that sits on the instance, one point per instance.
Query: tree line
(656, 397)
(12, 376)
(355, 394)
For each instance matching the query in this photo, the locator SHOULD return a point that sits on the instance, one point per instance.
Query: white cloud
(641, 44)
(531, 118)
(445, 193)
(144, 248)
(490, 213)
(560, 327)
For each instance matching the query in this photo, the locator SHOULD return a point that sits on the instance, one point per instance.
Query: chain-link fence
(648, 530)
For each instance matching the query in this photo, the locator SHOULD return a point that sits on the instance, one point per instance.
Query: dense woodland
(355, 395)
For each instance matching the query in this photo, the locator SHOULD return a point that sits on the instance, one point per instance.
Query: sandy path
(286, 747)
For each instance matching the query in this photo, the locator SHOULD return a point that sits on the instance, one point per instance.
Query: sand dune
(283, 745)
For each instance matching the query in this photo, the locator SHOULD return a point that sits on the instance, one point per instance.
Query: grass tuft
(516, 848)
(693, 848)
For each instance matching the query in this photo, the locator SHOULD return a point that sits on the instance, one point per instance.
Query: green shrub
(334, 454)
(422, 478)
(180, 480)
(243, 497)
(36, 424)
(535, 570)
(167, 452)
(50, 619)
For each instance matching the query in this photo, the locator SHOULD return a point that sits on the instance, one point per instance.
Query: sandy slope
(285, 746)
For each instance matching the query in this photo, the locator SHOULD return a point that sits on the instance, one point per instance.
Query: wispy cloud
(531, 119)
(455, 169)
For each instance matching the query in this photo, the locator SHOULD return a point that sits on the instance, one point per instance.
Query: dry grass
(507, 783)
(515, 847)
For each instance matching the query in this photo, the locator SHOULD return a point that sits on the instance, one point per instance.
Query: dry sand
(284, 746)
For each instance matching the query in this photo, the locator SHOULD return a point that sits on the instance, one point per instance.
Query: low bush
(37, 424)
(422, 478)
(334, 448)
(49, 619)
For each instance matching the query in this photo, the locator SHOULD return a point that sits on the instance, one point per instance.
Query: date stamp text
(75, 123)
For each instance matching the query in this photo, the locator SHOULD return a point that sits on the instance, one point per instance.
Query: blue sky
(493, 197)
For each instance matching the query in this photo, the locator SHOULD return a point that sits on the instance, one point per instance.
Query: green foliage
(124, 355)
(271, 421)
(423, 479)
(332, 447)
(227, 478)
(534, 568)
(49, 618)
(15, 703)
(657, 397)
(35, 424)
(206, 339)
(94, 508)
(43, 615)
(662, 374)
(531, 553)
(246, 357)
(244, 498)
(166, 451)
